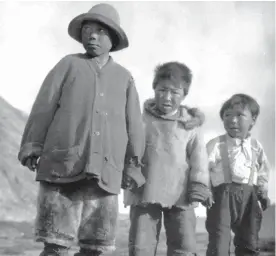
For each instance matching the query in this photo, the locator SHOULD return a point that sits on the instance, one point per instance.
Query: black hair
(174, 71)
(245, 101)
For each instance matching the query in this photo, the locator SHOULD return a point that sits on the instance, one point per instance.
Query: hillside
(17, 186)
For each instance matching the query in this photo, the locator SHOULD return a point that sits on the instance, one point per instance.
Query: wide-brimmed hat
(108, 16)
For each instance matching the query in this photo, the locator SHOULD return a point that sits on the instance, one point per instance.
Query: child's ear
(253, 122)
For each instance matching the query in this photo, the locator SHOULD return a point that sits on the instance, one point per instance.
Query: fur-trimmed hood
(183, 114)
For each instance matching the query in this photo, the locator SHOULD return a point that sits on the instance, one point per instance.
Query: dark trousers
(236, 208)
(145, 226)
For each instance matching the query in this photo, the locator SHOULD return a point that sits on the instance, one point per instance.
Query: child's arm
(199, 179)
(263, 178)
(42, 113)
(136, 137)
(212, 155)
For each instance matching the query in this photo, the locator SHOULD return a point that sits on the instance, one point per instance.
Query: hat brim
(74, 29)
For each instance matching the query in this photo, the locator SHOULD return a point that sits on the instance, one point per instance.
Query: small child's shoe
(54, 250)
(87, 252)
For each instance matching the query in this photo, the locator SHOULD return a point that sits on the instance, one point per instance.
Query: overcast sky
(229, 46)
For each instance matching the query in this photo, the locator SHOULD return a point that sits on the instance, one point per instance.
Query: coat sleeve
(263, 172)
(42, 112)
(136, 136)
(199, 178)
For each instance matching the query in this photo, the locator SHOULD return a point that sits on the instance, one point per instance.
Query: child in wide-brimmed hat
(86, 115)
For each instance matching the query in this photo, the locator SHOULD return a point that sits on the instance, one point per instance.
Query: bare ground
(17, 239)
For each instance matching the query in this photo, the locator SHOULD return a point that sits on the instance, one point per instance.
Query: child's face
(168, 97)
(96, 39)
(238, 121)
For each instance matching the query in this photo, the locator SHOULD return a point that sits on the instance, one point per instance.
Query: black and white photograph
(137, 128)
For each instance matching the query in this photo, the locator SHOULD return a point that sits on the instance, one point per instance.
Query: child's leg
(145, 226)
(180, 228)
(98, 225)
(218, 223)
(58, 215)
(248, 223)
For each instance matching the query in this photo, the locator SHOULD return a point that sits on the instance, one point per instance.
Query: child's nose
(93, 35)
(234, 119)
(168, 96)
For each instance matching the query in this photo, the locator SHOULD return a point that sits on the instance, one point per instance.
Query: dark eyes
(173, 92)
(97, 30)
(231, 115)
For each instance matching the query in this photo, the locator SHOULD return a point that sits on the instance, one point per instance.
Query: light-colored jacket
(82, 121)
(174, 160)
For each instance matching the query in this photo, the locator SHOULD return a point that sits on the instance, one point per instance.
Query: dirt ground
(17, 239)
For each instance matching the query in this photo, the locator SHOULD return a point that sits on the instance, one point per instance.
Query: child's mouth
(93, 45)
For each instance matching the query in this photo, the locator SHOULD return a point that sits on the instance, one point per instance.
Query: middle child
(175, 168)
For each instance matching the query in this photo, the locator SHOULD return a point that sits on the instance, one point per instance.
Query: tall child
(86, 114)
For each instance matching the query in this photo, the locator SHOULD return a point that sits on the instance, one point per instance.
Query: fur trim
(198, 192)
(189, 117)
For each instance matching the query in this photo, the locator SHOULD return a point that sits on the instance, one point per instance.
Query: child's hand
(265, 203)
(208, 202)
(128, 182)
(262, 197)
(32, 163)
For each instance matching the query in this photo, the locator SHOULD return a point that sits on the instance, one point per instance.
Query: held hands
(128, 182)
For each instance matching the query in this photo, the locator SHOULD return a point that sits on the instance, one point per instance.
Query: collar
(180, 114)
(236, 142)
(95, 63)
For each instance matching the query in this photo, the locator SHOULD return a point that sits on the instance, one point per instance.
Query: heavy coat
(82, 121)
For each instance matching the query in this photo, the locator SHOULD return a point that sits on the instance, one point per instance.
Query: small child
(239, 173)
(86, 114)
(175, 168)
